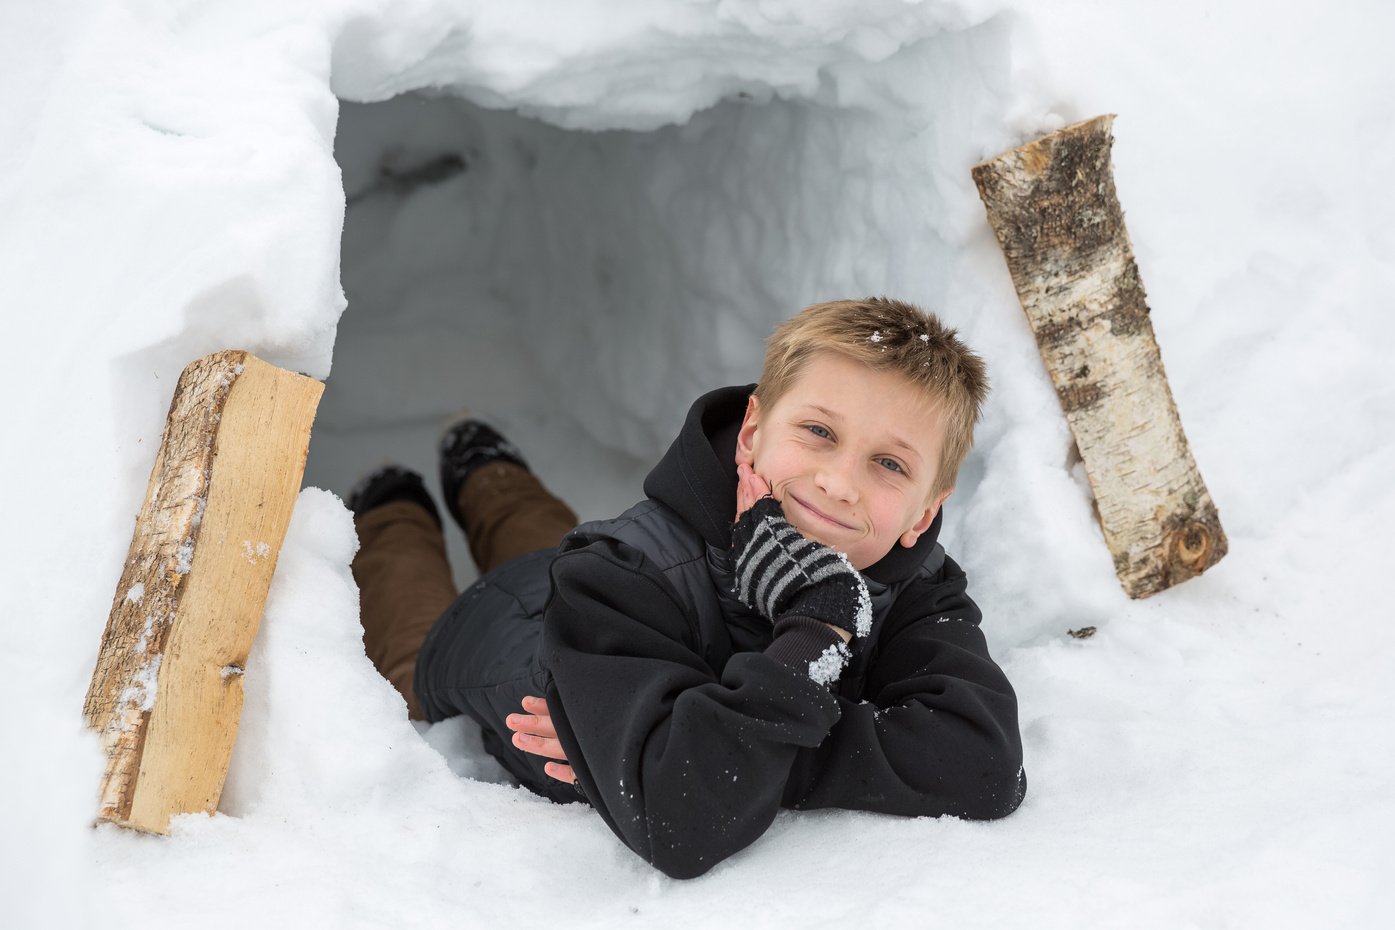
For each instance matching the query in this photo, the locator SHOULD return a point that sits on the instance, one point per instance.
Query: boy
(774, 626)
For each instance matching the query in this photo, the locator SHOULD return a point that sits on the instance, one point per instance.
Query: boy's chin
(859, 560)
(865, 560)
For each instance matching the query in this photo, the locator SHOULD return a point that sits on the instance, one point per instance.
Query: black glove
(780, 573)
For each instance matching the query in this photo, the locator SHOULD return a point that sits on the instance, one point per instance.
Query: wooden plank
(166, 695)
(1053, 206)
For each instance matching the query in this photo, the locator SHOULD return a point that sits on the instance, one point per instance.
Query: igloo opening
(580, 288)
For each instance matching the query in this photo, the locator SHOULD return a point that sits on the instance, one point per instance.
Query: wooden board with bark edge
(1057, 217)
(166, 695)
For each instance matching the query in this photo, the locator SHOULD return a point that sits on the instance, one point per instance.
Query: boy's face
(851, 454)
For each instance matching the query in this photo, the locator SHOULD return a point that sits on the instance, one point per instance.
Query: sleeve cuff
(802, 641)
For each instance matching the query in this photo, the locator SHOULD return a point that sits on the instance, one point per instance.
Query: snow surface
(594, 211)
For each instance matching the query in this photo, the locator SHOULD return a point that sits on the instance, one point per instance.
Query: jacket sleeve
(938, 733)
(684, 766)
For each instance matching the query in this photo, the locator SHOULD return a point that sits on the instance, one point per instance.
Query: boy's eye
(891, 464)
(819, 431)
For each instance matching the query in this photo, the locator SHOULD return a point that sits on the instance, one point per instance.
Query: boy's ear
(912, 535)
(745, 439)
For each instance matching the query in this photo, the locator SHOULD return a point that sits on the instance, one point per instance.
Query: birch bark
(1054, 209)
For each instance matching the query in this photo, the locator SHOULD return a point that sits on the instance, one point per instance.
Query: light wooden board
(166, 695)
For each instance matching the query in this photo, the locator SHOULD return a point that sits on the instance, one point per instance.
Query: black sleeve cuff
(800, 641)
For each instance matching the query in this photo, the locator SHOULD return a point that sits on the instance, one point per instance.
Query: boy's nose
(835, 479)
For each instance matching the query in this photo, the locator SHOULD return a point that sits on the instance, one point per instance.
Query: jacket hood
(696, 478)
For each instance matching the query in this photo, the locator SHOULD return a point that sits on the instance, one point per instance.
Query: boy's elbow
(995, 781)
(677, 864)
(999, 787)
(1000, 794)
(984, 781)
(694, 851)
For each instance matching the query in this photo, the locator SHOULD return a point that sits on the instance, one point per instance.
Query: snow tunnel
(580, 284)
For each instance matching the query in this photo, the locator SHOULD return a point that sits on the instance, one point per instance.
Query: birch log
(166, 695)
(1053, 207)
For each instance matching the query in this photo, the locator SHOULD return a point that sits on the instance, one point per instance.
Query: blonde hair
(894, 336)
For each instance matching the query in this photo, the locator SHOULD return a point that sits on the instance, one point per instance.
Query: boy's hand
(533, 732)
(778, 571)
(750, 487)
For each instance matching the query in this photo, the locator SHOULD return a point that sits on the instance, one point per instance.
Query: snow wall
(574, 217)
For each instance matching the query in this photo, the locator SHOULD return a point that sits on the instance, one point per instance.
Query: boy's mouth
(832, 521)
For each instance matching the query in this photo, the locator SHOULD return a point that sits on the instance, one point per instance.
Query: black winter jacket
(689, 728)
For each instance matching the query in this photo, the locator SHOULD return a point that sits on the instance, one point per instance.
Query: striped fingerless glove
(779, 572)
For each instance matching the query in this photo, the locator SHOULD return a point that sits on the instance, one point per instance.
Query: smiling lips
(820, 514)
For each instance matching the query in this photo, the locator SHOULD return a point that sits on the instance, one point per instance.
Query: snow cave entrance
(576, 288)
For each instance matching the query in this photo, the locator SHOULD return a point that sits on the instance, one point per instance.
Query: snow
(862, 622)
(253, 552)
(184, 557)
(829, 665)
(146, 683)
(573, 217)
(146, 630)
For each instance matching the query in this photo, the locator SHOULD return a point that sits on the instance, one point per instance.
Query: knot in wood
(1191, 546)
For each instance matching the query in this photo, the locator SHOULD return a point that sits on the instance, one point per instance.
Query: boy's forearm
(939, 734)
(686, 768)
(960, 756)
(696, 785)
